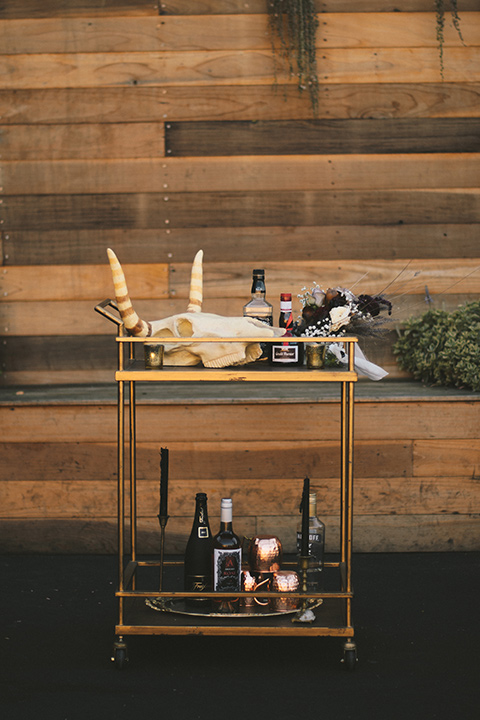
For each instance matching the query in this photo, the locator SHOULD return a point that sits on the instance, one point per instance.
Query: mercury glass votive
(153, 355)
(315, 354)
(285, 581)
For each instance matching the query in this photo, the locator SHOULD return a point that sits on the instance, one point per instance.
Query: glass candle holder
(153, 355)
(315, 353)
(285, 581)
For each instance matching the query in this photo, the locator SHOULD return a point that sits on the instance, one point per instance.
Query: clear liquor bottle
(259, 308)
(316, 547)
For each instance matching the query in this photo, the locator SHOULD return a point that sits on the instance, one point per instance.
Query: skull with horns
(194, 324)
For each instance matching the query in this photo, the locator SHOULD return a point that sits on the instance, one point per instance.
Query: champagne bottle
(198, 555)
(316, 546)
(259, 308)
(227, 559)
(287, 353)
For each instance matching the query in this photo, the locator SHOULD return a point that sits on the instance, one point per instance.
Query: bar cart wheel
(349, 655)
(120, 655)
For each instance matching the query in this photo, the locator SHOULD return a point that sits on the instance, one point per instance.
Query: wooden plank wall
(153, 128)
(416, 469)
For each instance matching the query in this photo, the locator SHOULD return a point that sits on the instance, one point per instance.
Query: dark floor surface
(416, 626)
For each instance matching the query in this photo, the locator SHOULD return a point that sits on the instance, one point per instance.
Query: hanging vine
(440, 8)
(293, 27)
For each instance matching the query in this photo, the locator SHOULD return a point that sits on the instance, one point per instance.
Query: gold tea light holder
(153, 353)
(315, 355)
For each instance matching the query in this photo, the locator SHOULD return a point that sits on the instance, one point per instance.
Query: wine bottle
(259, 308)
(227, 559)
(198, 554)
(316, 546)
(287, 352)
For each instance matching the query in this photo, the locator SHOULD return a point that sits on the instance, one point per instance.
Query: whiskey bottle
(227, 559)
(258, 307)
(316, 546)
(198, 555)
(287, 352)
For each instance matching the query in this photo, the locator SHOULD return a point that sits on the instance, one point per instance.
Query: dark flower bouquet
(338, 311)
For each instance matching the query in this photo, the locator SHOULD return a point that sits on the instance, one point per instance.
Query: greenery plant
(443, 348)
(440, 8)
(293, 27)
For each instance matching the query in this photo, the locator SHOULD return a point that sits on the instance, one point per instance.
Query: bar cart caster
(349, 655)
(120, 654)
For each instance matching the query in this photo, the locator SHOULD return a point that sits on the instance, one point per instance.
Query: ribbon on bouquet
(362, 365)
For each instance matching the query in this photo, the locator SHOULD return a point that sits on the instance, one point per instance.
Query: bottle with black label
(316, 546)
(259, 308)
(227, 559)
(198, 554)
(287, 353)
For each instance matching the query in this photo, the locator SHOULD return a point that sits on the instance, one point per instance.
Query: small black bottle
(198, 555)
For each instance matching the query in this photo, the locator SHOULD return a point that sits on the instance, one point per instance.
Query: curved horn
(196, 284)
(133, 324)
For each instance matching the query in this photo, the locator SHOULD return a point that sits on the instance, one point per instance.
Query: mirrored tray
(179, 606)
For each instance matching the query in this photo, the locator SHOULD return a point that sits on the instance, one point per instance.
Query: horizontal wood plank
(227, 244)
(81, 282)
(242, 423)
(198, 68)
(224, 31)
(448, 458)
(323, 137)
(22, 143)
(237, 102)
(196, 7)
(59, 317)
(232, 280)
(74, 498)
(88, 8)
(243, 174)
(246, 209)
(97, 462)
(397, 533)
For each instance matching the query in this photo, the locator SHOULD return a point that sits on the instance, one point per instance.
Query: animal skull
(194, 324)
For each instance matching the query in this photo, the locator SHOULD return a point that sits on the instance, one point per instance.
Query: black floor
(416, 624)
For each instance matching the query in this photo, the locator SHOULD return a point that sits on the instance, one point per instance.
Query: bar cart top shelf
(134, 369)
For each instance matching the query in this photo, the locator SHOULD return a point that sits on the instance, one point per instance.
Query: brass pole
(121, 476)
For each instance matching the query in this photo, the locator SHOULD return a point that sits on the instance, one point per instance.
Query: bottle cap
(259, 272)
(285, 296)
(226, 503)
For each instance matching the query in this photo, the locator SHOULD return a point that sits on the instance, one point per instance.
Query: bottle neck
(312, 505)
(201, 512)
(226, 517)
(258, 287)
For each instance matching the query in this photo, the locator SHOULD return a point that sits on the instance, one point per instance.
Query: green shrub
(443, 348)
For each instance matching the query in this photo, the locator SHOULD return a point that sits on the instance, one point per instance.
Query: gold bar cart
(334, 616)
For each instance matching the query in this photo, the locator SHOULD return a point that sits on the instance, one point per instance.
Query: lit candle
(285, 581)
(163, 482)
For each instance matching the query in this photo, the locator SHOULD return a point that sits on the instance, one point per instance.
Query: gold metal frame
(131, 613)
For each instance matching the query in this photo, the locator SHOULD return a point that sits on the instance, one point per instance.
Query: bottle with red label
(286, 353)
